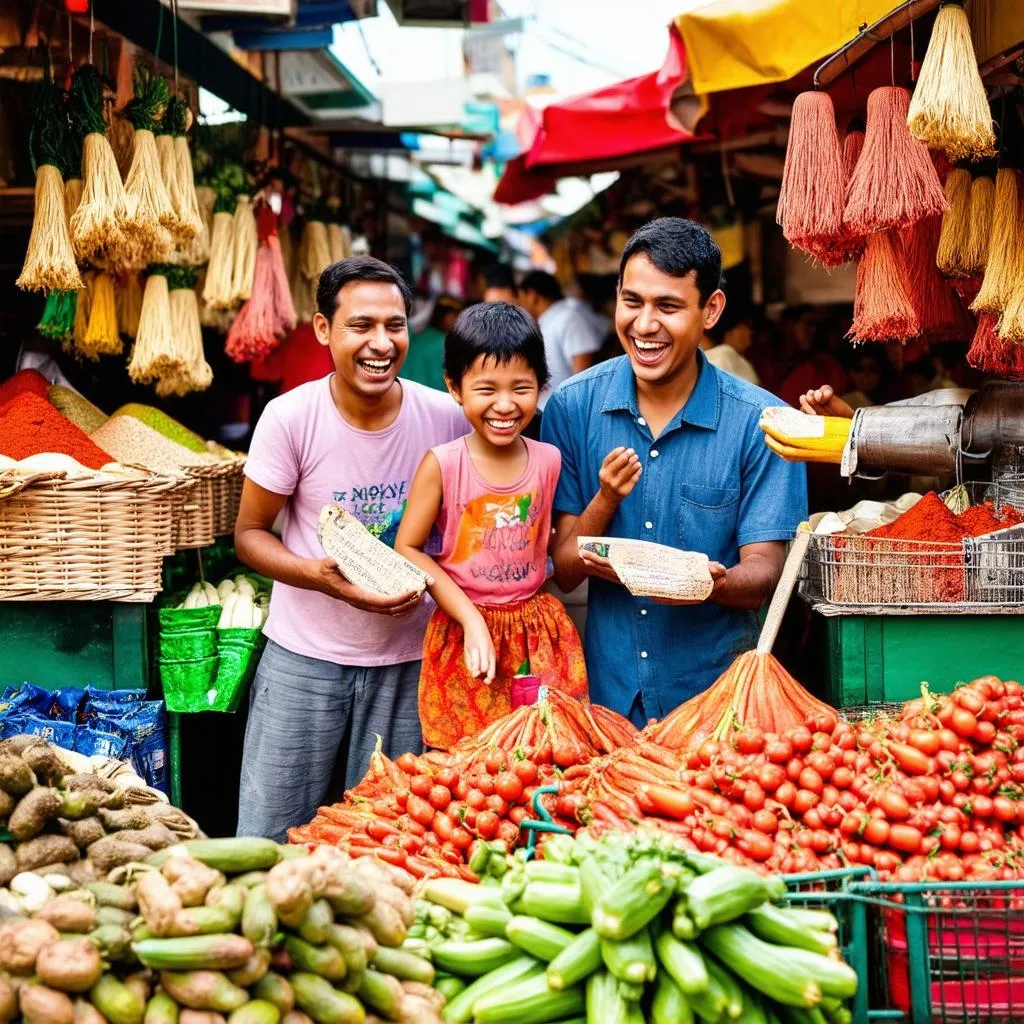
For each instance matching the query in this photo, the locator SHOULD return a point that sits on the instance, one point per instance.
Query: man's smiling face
(660, 320)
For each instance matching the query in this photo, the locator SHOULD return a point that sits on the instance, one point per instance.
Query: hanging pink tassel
(938, 307)
(269, 313)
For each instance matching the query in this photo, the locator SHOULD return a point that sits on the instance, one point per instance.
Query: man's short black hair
(357, 268)
(499, 275)
(496, 329)
(544, 284)
(676, 247)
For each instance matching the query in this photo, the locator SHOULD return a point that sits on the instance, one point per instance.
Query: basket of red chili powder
(920, 558)
(95, 536)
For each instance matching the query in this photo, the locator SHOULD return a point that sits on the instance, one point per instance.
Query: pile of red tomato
(936, 793)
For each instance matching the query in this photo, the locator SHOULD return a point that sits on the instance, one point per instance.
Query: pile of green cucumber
(626, 929)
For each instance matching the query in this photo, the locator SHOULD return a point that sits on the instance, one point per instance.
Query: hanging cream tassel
(50, 261)
(316, 250)
(244, 245)
(335, 242)
(195, 374)
(154, 354)
(72, 197)
(180, 232)
(129, 305)
(149, 227)
(191, 214)
(949, 109)
(122, 144)
(217, 290)
(101, 335)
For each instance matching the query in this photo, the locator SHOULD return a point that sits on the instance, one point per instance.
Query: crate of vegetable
(630, 928)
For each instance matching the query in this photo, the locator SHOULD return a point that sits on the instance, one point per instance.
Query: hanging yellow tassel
(76, 342)
(955, 239)
(335, 242)
(244, 245)
(949, 109)
(217, 289)
(1004, 247)
(129, 305)
(101, 335)
(154, 354)
(982, 204)
(316, 250)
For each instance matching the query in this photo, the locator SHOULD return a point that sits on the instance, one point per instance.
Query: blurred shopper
(499, 284)
(730, 340)
(570, 343)
(425, 361)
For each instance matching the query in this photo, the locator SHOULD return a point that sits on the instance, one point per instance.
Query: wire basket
(951, 951)
(227, 496)
(85, 539)
(858, 570)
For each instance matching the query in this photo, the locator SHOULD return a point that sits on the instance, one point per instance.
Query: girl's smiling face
(499, 398)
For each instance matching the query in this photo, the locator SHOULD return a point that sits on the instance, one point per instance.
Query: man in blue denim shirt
(660, 445)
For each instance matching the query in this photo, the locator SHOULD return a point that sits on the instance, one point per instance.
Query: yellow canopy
(731, 44)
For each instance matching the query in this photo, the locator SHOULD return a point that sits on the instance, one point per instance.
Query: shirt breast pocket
(707, 518)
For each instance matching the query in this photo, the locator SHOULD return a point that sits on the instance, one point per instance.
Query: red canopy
(595, 131)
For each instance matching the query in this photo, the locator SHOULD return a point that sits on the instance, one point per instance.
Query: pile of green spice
(164, 424)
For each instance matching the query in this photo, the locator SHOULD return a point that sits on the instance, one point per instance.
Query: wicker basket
(194, 512)
(227, 496)
(91, 539)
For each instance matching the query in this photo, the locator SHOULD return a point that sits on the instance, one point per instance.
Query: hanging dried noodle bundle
(101, 334)
(244, 243)
(949, 109)
(72, 197)
(217, 291)
(148, 230)
(812, 195)
(991, 354)
(315, 250)
(955, 240)
(155, 353)
(938, 307)
(882, 306)
(49, 260)
(195, 373)
(335, 242)
(169, 176)
(894, 183)
(1004, 247)
(104, 208)
(982, 205)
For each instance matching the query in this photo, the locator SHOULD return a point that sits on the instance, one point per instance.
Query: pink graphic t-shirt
(494, 539)
(305, 448)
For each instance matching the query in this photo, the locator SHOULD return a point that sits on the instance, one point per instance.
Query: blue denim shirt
(710, 484)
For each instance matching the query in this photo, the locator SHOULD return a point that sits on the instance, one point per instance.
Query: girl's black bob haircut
(496, 329)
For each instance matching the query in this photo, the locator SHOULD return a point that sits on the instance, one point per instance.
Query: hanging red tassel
(882, 306)
(847, 245)
(939, 310)
(811, 199)
(991, 354)
(894, 183)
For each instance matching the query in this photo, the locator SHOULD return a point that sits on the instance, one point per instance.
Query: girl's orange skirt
(538, 630)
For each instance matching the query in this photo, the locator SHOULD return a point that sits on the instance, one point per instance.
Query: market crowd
(658, 444)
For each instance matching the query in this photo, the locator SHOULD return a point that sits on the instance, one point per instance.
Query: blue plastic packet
(105, 699)
(61, 734)
(146, 723)
(112, 743)
(11, 723)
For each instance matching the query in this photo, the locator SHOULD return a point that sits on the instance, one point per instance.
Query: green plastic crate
(869, 659)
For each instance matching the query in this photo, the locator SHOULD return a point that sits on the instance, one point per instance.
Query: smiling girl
(489, 495)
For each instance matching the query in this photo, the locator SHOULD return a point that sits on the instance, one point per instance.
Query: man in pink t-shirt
(341, 664)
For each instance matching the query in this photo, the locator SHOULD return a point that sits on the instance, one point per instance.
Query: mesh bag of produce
(239, 652)
(186, 684)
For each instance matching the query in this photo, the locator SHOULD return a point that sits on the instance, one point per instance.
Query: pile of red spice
(932, 520)
(29, 425)
(24, 382)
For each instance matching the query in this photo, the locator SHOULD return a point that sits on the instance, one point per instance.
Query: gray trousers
(302, 713)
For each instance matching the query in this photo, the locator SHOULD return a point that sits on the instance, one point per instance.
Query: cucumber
(555, 902)
(604, 1002)
(488, 918)
(323, 1002)
(726, 981)
(576, 962)
(449, 986)
(630, 959)
(203, 990)
(458, 895)
(669, 1005)
(684, 964)
(109, 895)
(205, 921)
(273, 988)
(313, 927)
(631, 991)
(348, 941)
(460, 1009)
(323, 960)
(633, 901)
(724, 894)
(472, 959)
(538, 938)
(594, 883)
(198, 952)
(381, 992)
(528, 1001)
(234, 856)
(259, 919)
(161, 1009)
(775, 924)
(546, 871)
(401, 964)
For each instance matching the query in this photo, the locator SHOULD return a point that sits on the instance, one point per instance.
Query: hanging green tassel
(58, 319)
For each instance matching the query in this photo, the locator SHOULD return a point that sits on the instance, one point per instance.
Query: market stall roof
(733, 44)
(597, 131)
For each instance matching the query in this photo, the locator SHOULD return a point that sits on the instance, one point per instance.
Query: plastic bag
(239, 651)
(145, 723)
(186, 684)
(91, 741)
(63, 734)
